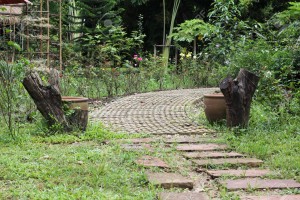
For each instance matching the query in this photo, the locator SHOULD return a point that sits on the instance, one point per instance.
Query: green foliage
(224, 13)
(139, 2)
(14, 45)
(293, 12)
(225, 16)
(97, 82)
(11, 91)
(95, 12)
(190, 29)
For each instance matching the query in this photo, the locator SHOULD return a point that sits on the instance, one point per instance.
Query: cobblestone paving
(163, 112)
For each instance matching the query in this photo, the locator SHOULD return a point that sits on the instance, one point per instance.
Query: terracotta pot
(214, 107)
(76, 102)
(79, 118)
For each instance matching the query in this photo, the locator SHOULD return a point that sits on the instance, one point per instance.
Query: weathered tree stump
(47, 99)
(238, 95)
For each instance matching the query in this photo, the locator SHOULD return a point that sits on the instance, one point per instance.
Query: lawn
(56, 168)
(77, 166)
(84, 166)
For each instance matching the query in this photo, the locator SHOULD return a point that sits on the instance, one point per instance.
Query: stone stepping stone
(149, 161)
(170, 180)
(244, 173)
(182, 196)
(201, 147)
(187, 139)
(243, 184)
(251, 162)
(137, 147)
(275, 197)
(137, 140)
(192, 155)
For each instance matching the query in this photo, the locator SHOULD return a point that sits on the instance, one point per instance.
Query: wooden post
(47, 99)
(238, 95)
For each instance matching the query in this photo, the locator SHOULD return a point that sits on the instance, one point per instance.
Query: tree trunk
(238, 95)
(47, 99)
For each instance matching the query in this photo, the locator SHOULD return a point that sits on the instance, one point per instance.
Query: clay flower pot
(214, 107)
(77, 102)
(79, 118)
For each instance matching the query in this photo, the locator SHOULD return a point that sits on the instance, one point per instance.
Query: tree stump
(47, 99)
(238, 95)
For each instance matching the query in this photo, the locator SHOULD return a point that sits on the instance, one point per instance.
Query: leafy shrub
(11, 93)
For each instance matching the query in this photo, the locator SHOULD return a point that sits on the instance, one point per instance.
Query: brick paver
(251, 162)
(188, 139)
(273, 197)
(137, 140)
(240, 172)
(182, 196)
(201, 147)
(137, 147)
(170, 180)
(163, 112)
(149, 161)
(192, 155)
(243, 184)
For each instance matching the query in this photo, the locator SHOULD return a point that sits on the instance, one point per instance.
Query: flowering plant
(137, 59)
(187, 55)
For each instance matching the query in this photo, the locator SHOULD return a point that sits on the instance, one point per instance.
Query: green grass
(42, 171)
(82, 166)
(271, 137)
(77, 166)
(53, 167)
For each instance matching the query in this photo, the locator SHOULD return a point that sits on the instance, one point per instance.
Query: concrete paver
(149, 161)
(238, 172)
(251, 162)
(182, 196)
(243, 184)
(170, 180)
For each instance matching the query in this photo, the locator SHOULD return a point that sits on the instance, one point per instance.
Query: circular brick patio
(163, 112)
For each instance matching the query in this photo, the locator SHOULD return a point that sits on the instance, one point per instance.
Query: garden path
(163, 112)
(189, 155)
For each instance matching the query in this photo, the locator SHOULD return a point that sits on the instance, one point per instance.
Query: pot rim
(215, 95)
(74, 99)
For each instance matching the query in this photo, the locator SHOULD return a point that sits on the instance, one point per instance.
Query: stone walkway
(164, 112)
(185, 156)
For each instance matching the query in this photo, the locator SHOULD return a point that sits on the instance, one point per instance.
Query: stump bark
(47, 99)
(238, 95)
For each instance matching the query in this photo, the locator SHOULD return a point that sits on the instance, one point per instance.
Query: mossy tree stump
(238, 95)
(51, 105)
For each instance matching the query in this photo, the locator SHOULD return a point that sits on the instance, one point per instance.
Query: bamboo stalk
(48, 35)
(41, 29)
(164, 32)
(166, 51)
(60, 36)
(27, 32)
